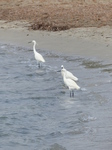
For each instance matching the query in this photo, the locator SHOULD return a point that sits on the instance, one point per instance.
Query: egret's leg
(39, 64)
(72, 93)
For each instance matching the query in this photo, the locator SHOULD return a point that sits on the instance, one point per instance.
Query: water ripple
(36, 110)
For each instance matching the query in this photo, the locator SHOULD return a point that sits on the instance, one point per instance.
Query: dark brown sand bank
(58, 15)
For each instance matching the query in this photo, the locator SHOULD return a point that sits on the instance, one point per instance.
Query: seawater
(36, 112)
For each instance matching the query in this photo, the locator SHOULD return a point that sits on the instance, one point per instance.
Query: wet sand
(85, 42)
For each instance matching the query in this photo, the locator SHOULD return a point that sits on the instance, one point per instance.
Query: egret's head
(62, 67)
(63, 70)
(34, 41)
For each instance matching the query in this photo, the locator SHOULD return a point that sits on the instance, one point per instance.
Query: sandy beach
(85, 42)
(88, 35)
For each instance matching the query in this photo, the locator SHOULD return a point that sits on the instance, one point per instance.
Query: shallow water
(36, 112)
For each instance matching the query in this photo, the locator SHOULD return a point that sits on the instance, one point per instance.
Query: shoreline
(85, 42)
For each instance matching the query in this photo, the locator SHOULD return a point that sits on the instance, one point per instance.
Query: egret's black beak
(58, 70)
(29, 42)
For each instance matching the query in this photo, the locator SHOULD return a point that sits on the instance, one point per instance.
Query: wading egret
(70, 84)
(68, 74)
(38, 56)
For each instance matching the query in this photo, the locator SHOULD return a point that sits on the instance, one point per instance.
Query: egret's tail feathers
(75, 78)
(43, 60)
(78, 87)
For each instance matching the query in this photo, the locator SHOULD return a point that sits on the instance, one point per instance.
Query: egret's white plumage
(68, 74)
(38, 56)
(69, 82)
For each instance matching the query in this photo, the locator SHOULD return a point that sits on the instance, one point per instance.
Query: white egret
(38, 56)
(70, 84)
(68, 74)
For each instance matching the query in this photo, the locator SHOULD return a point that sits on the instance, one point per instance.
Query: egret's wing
(71, 76)
(39, 57)
(71, 84)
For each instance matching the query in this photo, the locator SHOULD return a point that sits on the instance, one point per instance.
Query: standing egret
(38, 56)
(70, 84)
(68, 74)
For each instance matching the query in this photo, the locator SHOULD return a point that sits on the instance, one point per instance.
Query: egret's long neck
(64, 77)
(34, 47)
